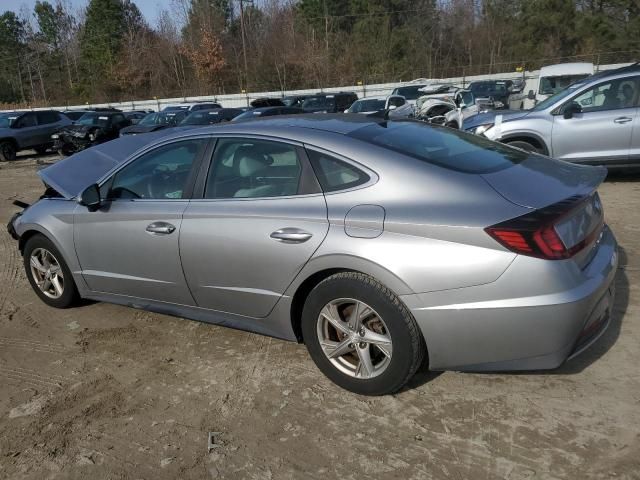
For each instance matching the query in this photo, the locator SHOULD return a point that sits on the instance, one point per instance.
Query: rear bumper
(535, 316)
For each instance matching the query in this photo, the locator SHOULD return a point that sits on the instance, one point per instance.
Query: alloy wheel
(47, 273)
(354, 338)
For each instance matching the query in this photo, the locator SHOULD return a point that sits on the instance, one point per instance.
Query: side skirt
(275, 325)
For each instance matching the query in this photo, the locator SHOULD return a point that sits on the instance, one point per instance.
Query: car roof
(567, 69)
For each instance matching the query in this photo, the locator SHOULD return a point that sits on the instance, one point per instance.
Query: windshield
(367, 105)
(93, 118)
(467, 98)
(553, 85)
(159, 118)
(7, 120)
(441, 146)
(552, 100)
(319, 103)
(202, 118)
(410, 93)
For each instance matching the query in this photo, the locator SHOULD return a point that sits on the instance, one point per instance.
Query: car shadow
(626, 175)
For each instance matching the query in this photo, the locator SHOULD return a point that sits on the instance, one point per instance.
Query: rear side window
(441, 146)
(334, 174)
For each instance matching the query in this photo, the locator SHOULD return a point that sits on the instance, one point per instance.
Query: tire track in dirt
(32, 345)
(33, 377)
(10, 271)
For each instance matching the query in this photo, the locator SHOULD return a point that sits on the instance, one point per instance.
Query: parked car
(155, 121)
(329, 102)
(192, 106)
(497, 90)
(467, 105)
(134, 117)
(375, 104)
(28, 130)
(92, 128)
(294, 100)
(266, 112)
(210, 117)
(378, 243)
(267, 102)
(593, 121)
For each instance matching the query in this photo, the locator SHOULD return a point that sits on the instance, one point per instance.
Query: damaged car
(155, 121)
(90, 129)
(28, 130)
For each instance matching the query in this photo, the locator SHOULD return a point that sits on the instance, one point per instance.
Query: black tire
(8, 151)
(69, 294)
(40, 150)
(408, 345)
(523, 145)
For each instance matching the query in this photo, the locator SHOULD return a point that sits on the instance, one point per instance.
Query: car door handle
(291, 235)
(163, 228)
(623, 120)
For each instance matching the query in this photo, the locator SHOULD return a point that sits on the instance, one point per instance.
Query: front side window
(334, 174)
(247, 168)
(27, 120)
(610, 95)
(160, 174)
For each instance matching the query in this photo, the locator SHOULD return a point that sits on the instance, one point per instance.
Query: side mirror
(531, 95)
(90, 197)
(571, 110)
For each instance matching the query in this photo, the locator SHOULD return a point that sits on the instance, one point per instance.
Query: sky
(149, 8)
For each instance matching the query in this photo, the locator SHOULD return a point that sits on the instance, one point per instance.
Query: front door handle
(291, 235)
(163, 228)
(623, 120)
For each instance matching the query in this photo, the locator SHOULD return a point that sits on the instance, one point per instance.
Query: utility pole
(244, 47)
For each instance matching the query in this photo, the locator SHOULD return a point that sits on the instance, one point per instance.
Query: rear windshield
(441, 146)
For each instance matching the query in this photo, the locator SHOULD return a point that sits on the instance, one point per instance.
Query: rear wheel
(524, 145)
(48, 273)
(361, 335)
(7, 151)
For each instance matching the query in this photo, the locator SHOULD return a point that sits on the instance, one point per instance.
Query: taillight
(535, 234)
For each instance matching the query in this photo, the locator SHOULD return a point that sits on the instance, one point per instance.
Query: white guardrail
(243, 99)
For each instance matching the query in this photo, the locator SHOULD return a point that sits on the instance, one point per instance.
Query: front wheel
(7, 151)
(360, 335)
(48, 273)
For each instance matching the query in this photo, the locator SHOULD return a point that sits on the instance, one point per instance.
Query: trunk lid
(539, 181)
(561, 195)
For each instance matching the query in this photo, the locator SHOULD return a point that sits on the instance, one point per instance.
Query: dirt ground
(103, 391)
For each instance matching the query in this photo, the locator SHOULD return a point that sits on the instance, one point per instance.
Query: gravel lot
(103, 391)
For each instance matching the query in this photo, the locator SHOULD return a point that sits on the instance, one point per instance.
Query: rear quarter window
(445, 147)
(334, 174)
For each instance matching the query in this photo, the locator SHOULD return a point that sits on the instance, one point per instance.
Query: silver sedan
(382, 245)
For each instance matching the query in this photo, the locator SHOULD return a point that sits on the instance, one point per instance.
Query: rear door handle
(162, 228)
(291, 235)
(623, 120)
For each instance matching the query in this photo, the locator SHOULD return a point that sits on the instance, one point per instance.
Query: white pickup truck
(554, 78)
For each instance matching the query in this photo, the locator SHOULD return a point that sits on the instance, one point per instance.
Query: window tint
(160, 174)
(47, 117)
(334, 174)
(441, 146)
(611, 95)
(247, 168)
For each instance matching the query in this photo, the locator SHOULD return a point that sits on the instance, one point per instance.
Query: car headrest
(247, 161)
